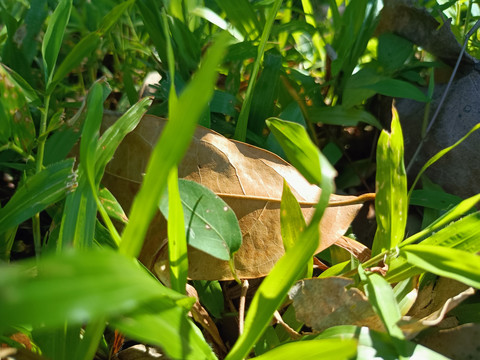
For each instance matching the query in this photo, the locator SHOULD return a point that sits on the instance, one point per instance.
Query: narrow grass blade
(313, 349)
(52, 40)
(340, 115)
(242, 16)
(113, 136)
(286, 271)
(75, 287)
(461, 235)
(242, 122)
(391, 202)
(177, 240)
(298, 147)
(39, 191)
(440, 154)
(74, 58)
(166, 325)
(452, 263)
(291, 218)
(381, 297)
(171, 147)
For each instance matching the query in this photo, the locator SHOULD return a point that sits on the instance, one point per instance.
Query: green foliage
(292, 77)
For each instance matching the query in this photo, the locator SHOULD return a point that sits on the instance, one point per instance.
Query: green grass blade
(462, 235)
(340, 115)
(39, 191)
(286, 271)
(451, 263)
(171, 147)
(242, 122)
(381, 297)
(242, 16)
(440, 154)
(52, 40)
(74, 58)
(113, 136)
(75, 287)
(177, 240)
(391, 203)
(298, 147)
(313, 349)
(113, 16)
(445, 219)
(166, 325)
(291, 218)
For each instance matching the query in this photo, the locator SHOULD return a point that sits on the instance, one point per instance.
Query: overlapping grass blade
(286, 271)
(171, 147)
(39, 191)
(391, 203)
(448, 262)
(52, 41)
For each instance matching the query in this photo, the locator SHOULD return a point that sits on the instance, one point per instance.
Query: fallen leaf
(433, 303)
(342, 306)
(247, 178)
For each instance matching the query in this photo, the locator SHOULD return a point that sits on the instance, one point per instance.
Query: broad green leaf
(162, 323)
(27, 90)
(211, 224)
(398, 88)
(462, 235)
(52, 40)
(211, 296)
(75, 287)
(448, 262)
(171, 147)
(391, 203)
(342, 116)
(177, 240)
(433, 199)
(298, 147)
(313, 349)
(381, 297)
(16, 124)
(393, 51)
(274, 288)
(39, 191)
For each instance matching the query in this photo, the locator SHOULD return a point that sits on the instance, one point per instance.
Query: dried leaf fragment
(323, 303)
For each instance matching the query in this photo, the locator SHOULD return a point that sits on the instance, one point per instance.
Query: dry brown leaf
(433, 303)
(247, 178)
(342, 306)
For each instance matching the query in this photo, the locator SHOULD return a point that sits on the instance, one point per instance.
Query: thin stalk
(241, 128)
(37, 235)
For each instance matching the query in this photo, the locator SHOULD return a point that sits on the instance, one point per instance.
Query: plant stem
(241, 128)
(37, 235)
